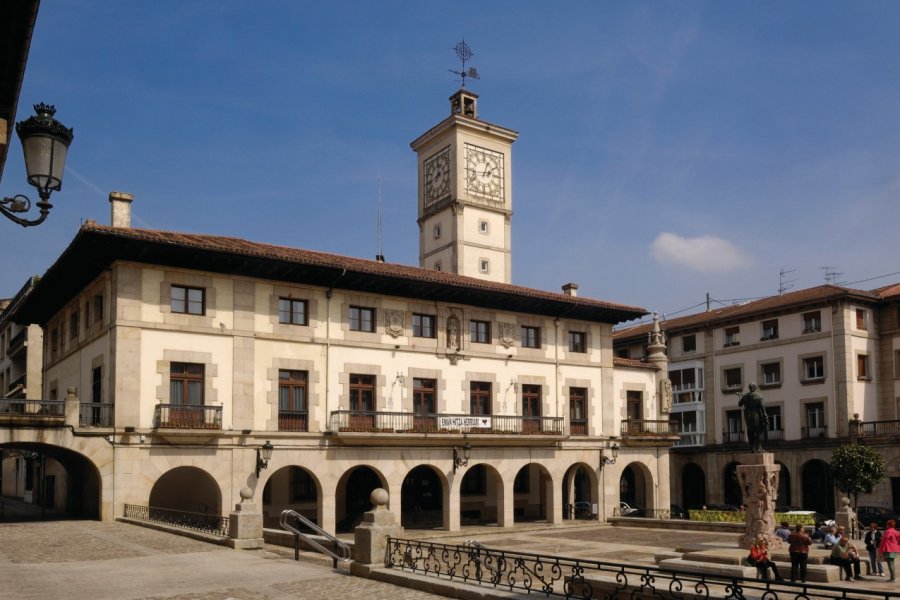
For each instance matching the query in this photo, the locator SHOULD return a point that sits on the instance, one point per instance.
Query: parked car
(876, 514)
(676, 512)
(630, 510)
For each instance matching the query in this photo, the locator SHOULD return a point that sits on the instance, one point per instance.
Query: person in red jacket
(798, 548)
(890, 545)
(759, 552)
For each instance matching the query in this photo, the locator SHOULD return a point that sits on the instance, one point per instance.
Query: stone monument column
(758, 476)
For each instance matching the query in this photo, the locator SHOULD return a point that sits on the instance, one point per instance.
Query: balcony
(733, 437)
(17, 344)
(32, 412)
(874, 428)
(293, 420)
(578, 427)
(351, 421)
(187, 416)
(94, 414)
(691, 439)
(813, 432)
(16, 388)
(641, 429)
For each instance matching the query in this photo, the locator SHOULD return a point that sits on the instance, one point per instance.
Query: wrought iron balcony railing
(25, 412)
(868, 428)
(578, 426)
(814, 432)
(639, 428)
(94, 414)
(187, 416)
(293, 420)
(403, 422)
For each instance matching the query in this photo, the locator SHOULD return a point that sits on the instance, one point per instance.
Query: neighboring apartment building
(21, 351)
(827, 362)
(176, 356)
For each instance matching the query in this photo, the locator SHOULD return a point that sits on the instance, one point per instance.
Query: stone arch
(784, 485)
(636, 486)
(188, 489)
(423, 496)
(817, 486)
(731, 485)
(532, 493)
(352, 495)
(580, 491)
(481, 495)
(295, 488)
(693, 487)
(61, 479)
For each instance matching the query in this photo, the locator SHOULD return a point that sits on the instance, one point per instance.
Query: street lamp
(263, 454)
(45, 142)
(605, 460)
(462, 461)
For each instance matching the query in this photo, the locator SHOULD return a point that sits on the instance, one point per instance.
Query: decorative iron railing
(565, 577)
(874, 427)
(404, 422)
(213, 524)
(814, 432)
(578, 427)
(95, 414)
(641, 428)
(293, 420)
(32, 408)
(187, 416)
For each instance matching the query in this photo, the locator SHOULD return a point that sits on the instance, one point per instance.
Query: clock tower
(465, 193)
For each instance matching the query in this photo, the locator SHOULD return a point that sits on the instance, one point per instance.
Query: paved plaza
(94, 560)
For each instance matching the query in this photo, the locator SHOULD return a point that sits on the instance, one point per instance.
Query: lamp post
(45, 142)
(605, 460)
(461, 460)
(263, 454)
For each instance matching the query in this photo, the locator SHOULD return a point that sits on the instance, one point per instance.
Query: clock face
(437, 176)
(484, 172)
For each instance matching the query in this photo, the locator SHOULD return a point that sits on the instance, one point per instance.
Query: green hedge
(732, 516)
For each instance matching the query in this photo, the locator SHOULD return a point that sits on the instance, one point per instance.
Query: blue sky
(666, 149)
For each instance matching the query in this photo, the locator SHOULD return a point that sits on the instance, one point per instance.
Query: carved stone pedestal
(758, 476)
(246, 524)
(370, 536)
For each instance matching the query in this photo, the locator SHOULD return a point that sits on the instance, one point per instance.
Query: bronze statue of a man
(754, 417)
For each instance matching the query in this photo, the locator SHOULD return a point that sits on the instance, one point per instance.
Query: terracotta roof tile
(888, 291)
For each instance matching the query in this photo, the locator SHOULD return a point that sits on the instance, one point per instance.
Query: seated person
(845, 555)
(759, 553)
(831, 537)
(784, 532)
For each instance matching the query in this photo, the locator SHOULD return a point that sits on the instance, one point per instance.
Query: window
(577, 341)
(87, 316)
(437, 231)
(769, 330)
(480, 398)
(292, 407)
(815, 419)
(733, 378)
(54, 340)
(578, 411)
(814, 368)
(362, 402)
(362, 319)
(301, 484)
(731, 336)
(423, 403)
(73, 325)
(531, 337)
(292, 312)
(862, 319)
(188, 300)
(771, 373)
(622, 353)
(775, 426)
(98, 307)
(812, 322)
(96, 415)
(423, 325)
(484, 265)
(531, 408)
(437, 266)
(734, 426)
(484, 227)
(687, 385)
(186, 384)
(689, 343)
(480, 332)
(634, 405)
(862, 366)
(896, 364)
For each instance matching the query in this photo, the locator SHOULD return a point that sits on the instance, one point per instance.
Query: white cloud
(704, 253)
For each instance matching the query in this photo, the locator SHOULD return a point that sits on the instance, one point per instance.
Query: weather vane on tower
(465, 53)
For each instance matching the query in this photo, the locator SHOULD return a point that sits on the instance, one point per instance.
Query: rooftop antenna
(464, 53)
(379, 256)
(785, 284)
(831, 276)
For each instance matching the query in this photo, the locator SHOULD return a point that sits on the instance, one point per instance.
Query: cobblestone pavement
(117, 561)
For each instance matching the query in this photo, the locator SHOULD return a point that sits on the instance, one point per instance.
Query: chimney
(570, 289)
(120, 209)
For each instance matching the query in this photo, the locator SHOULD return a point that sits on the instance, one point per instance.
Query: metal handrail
(341, 549)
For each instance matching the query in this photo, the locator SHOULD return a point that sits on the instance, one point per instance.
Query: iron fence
(404, 422)
(642, 428)
(187, 416)
(203, 522)
(33, 408)
(874, 427)
(565, 577)
(95, 414)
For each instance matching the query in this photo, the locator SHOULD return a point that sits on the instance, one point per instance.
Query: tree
(856, 469)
